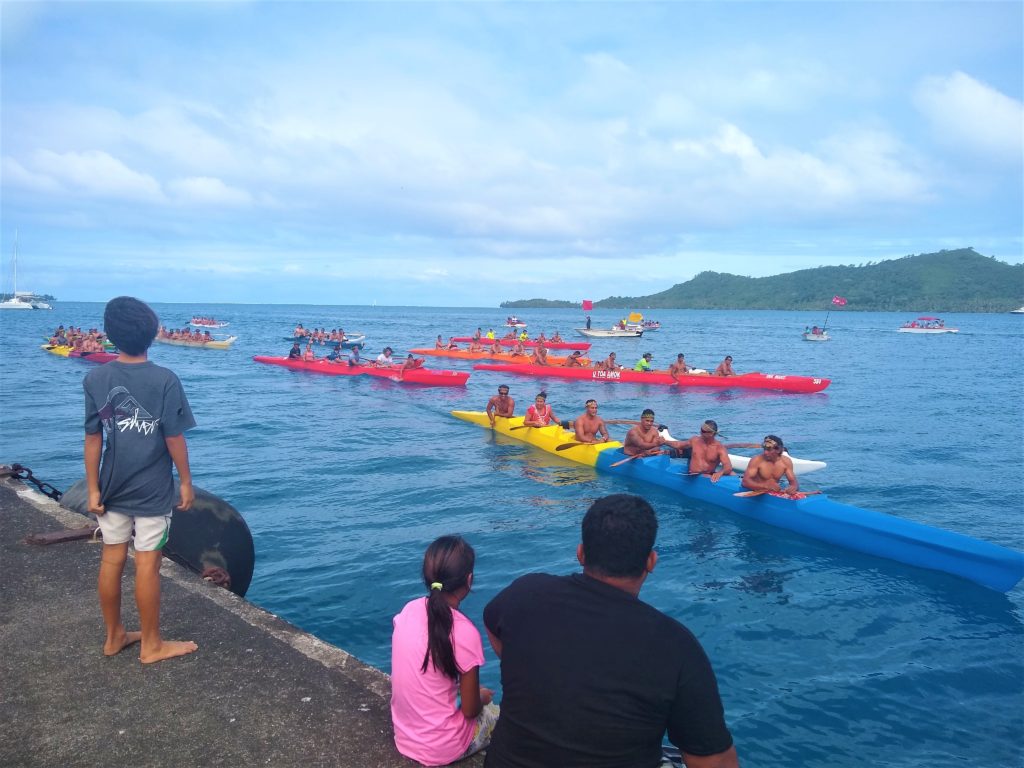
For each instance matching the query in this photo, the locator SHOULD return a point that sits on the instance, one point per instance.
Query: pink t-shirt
(428, 727)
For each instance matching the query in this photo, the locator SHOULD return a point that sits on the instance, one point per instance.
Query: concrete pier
(258, 692)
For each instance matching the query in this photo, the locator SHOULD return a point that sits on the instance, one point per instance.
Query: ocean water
(825, 657)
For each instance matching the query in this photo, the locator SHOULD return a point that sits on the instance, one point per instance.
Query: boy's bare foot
(120, 642)
(168, 649)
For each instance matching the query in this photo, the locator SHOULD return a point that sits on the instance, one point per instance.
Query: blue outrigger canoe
(818, 516)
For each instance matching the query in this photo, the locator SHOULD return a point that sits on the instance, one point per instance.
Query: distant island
(948, 281)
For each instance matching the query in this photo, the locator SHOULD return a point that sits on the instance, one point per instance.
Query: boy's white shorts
(150, 532)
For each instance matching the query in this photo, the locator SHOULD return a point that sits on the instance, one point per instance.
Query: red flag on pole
(839, 301)
(589, 305)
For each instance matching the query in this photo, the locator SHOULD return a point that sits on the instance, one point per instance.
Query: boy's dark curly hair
(130, 324)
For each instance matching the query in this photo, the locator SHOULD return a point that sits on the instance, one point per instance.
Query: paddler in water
(573, 360)
(540, 414)
(643, 365)
(706, 452)
(501, 404)
(540, 354)
(725, 367)
(644, 439)
(769, 467)
(589, 427)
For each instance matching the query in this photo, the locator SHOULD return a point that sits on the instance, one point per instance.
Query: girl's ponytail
(447, 565)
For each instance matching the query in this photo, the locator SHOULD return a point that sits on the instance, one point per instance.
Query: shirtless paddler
(769, 467)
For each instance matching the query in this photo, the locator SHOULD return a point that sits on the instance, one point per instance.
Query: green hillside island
(948, 281)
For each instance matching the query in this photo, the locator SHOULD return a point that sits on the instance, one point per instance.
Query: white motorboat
(610, 333)
(820, 336)
(1017, 311)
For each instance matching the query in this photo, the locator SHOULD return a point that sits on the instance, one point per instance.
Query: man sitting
(591, 675)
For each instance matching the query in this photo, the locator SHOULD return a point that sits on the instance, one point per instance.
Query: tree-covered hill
(948, 281)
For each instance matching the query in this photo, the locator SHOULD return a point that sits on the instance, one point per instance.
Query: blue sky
(461, 154)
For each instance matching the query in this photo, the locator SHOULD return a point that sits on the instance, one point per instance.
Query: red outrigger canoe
(776, 381)
(583, 346)
(508, 358)
(422, 376)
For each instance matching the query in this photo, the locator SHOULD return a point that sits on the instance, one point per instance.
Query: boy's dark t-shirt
(138, 406)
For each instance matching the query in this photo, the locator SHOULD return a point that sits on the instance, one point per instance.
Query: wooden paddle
(637, 456)
(563, 446)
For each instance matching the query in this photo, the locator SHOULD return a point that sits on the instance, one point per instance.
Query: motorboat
(610, 333)
(926, 324)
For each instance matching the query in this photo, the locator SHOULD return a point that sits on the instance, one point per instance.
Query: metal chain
(24, 473)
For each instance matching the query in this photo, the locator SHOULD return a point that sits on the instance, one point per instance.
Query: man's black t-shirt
(592, 676)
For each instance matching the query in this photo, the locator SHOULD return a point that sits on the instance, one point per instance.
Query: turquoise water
(825, 657)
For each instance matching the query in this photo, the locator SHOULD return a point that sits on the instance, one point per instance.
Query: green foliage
(538, 303)
(948, 281)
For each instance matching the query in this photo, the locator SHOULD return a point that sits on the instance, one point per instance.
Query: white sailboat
(21, 299)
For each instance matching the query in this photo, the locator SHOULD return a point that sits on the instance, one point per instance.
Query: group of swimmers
(707, 455)
(81, 341)
(184, 334)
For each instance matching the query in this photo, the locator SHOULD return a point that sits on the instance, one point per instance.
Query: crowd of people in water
(83, 342)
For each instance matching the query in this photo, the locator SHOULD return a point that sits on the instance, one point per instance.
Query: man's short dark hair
(618, 535)
(647, 412)
(130, 324)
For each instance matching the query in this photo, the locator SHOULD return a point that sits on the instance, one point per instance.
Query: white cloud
(93, 172)
(204, 190)
(971, 115)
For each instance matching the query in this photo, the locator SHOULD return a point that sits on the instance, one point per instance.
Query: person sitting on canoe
(524, 336)
(540, 354)
(556, 338)
(354, 360)
(510, 335)
(678, 367)
(309, 355)
(384, 358)
(540, 414)
(573, 360)
(412, 362)
(335, 354)
(541, 338)
(299, 331)
(644, 439)
(769, 467)
(501, 404)
(490, 334)
(439, 344)
(589, 427)
(643, 365)
(495, 348)
(725, 367)
(478, 335)
(475, 345)
(518, 349)
(451, 344)
(608, 364)
(707, 453)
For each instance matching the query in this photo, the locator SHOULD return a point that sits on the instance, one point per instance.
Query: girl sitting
(436, 653)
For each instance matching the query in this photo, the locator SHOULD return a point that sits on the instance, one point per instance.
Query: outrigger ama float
(816, 516)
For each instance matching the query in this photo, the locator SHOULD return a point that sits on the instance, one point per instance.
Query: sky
(463, 154)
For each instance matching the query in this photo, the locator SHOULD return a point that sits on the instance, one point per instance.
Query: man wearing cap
(501, 404)
(769, 467)
(643, 365)
(725, 367)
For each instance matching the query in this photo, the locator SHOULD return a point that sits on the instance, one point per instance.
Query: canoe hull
(215, 344)
(783, 383)
(610, 333)
(89, 357)
(817, 517)
(421, 376)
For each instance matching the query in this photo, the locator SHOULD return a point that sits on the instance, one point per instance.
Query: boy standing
(143, 411)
